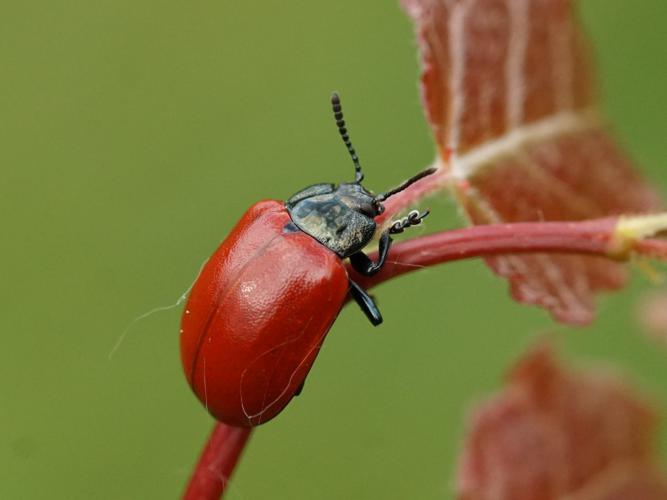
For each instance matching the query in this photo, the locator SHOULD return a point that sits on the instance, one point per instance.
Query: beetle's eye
(379, 207)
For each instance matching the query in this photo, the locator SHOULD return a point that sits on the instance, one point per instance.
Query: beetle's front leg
(414, 218)
(360, 261)
(363, 265)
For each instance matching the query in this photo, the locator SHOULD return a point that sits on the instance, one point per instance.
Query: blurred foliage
(134, 134)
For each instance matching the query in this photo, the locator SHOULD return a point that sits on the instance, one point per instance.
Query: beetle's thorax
(340, 217)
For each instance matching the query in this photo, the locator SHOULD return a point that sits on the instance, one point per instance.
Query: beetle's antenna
(338, 115)
(403, 185)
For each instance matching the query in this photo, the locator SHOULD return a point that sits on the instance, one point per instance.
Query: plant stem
(593, 237)
(216, 464)
(612, 237)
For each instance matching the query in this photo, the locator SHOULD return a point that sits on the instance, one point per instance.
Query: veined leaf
(508, 92)
(554, 433)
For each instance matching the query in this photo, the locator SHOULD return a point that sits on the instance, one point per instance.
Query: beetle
(263, 303)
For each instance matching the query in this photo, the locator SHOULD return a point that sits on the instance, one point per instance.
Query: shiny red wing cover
(257, 316)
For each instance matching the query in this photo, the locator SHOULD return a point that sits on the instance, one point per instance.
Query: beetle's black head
(342, 217)
(355, 196)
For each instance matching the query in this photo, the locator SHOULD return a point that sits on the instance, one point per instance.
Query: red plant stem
(593, 237)
(216, 464)
(419, 190)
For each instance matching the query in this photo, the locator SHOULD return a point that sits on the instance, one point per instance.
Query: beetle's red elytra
(264, 302)
(258, 315)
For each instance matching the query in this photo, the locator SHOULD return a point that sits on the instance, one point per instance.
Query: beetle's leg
(366, 303)
(414, 218)
(363, 265)
(360, 261)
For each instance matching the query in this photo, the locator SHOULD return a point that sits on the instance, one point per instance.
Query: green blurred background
(133, 134)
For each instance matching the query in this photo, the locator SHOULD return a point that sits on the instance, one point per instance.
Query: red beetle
(263, 303)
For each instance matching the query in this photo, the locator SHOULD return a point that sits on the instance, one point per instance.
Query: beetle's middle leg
(366, 303)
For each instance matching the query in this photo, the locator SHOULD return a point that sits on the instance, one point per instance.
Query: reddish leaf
(623, 483)
(507, 91)
(554, 432)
